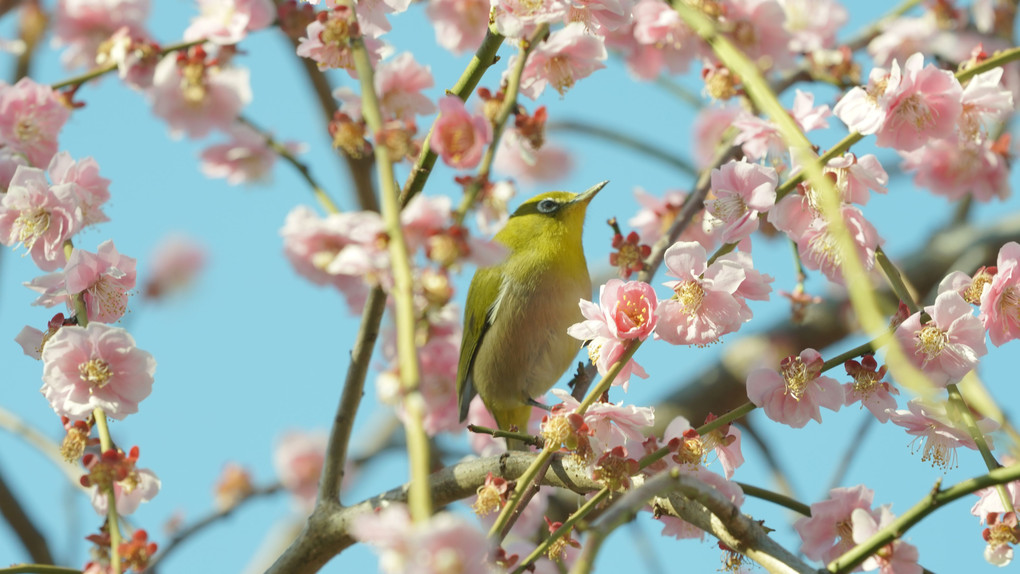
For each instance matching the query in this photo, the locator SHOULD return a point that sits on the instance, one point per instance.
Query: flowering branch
(103, 70)
(565, 528)
(496, 433)
(484, 57)
(933, 500)
(956, 399)
(410, 378)
(281, 150)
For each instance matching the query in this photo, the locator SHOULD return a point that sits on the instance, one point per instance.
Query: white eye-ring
(548, 206)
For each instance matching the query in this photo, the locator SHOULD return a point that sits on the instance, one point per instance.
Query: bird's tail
(508, 419)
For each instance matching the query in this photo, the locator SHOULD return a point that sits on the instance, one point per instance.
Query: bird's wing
(478, 315)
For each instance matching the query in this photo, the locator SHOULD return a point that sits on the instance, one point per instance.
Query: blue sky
(254, 350)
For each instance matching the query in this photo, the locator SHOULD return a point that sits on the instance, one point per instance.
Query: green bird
(515, 344)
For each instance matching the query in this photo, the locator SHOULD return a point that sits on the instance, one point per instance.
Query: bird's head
(557, 215)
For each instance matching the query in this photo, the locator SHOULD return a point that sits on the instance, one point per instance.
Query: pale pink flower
(340, 250)
(372, 15)
(195, 98)
(793, 394)
(660, 39)
(897, 557)
(742, 192)
(955, 168)
(298, 458)
(460, 24)
(83, 179)
(10, 160)
(1000, 301)
(947, 347)
(604, 353)
(869, 389)
(984, 100)
(626, 310)
(31, 117)
(399, 83)
(517, 157)
(39, 217)
(245, 158)
(517, 18)
(82, 25)
(658, 214)
(135, 56)
(95, 366)
(227, 22)
(103, 279)
(904, 36)
(31, 341)
(759, 137)
(567, 55)
(459, 137)
(129, 495)
(942, 432)
(327, 38)
(758, 31)
(704, 306)
(756, 285)
(813, 24)
(826, 533)
(855, 176)
(491, 213)
(818, 248)
(989, 501)
(601, 16)
(173, 265)
(610, 425)
(446, 542)
(709, 126)
(905, 108)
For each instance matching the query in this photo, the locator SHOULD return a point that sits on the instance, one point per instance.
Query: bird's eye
(547, 206)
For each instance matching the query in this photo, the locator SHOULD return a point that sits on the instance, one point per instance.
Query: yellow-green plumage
(515, 344)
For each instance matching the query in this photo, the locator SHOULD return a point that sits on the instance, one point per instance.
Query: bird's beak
(589, 193)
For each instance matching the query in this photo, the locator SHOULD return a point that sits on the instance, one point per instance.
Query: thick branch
(23, 527)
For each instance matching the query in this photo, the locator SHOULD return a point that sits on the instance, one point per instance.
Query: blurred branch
(103, 70)
(865, 36)
(31, 29)
(40, 442)
(626, 141)
(23, 526)
(187, 532)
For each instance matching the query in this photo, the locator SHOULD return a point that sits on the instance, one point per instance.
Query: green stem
(933, 500)
(281, 150)
(895, 279)
(410, 378)
(775, 497)
(956, 399)
(506, 109)
(484, 57)
(112, 519)
(496, 433)
(103, 70)
(523, 483)
(565, 528)
(607, 381)
(704, 429)
(38, 569)
(865, 349)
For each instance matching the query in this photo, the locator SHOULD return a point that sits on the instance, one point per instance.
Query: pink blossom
(173, 265)
(659, 39)
(904, 108)
(567, 55)
(135, 56)
(904, 36)
(989, 501)
(298, 458)
(704, 306)
(794, 394)
(129, 496)
(658, 214)
(610, 425)
(31, 117)
(517, 157)
(756, 285)
(1000, 301)
(955, 168)
(97, 366)
(758, 30)
(372, 15)
(794, 214)
(398, 83)
(742, 192)
(491, 211)
(517, 18)
(341, 250)
(897, 557)
(10, 160)
(942, 432)
(103, 279)
(39, 217)
(856, 176)
(245, 158)
(460, 24)
(83, 25)
(625, 311)
(709, 126)
(604, 352)
(229, 21)
(600, 16)
(984, 99)
(195, 97)
(869, 389)
(83, 179)
(826, 533)
(813, 24)
(31, 341)
(947, 347)
(327, 38)
(818, 248)
(459, 137)
(759, 137)
(725, 442)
